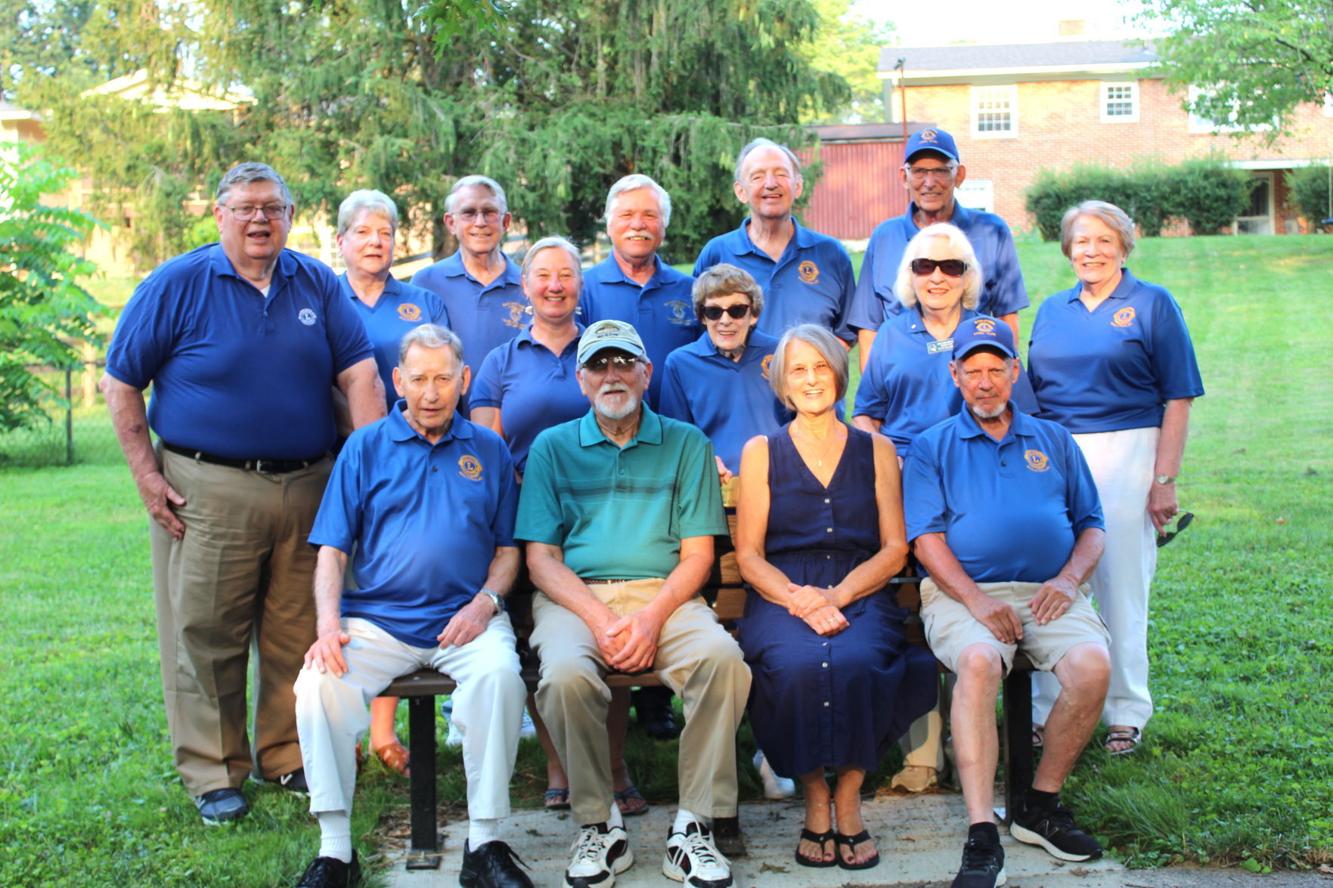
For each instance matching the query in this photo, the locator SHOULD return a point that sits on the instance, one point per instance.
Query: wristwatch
(1165, 479)
(495, 599)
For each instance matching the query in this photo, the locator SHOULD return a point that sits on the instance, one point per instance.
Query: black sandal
(850, 843)
(821, 839)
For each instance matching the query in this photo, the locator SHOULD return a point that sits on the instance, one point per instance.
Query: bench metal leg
(1018, 756)
(425, 849)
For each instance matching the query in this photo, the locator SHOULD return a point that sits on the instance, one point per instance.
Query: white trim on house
(1123, 97)
(994, 111)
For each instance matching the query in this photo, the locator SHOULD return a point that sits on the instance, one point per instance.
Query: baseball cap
(609, 334)
(929, 139)
(983, 331)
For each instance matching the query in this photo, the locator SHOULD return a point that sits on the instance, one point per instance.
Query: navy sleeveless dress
(820, 702)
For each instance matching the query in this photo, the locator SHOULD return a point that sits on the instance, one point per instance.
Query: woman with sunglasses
(1112, 362)
(524, 387)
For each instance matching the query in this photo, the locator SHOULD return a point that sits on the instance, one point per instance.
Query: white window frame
(1133, 99)
(1005, 93)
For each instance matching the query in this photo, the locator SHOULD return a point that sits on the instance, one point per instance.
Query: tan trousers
(242, 576)
(696, 658)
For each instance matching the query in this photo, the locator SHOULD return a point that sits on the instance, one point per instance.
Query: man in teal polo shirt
(619, 509)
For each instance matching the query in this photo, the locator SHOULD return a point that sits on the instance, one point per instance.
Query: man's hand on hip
(1053, 600)
(1001, 619)
(162, 500)
(326, 654)
(469, 622)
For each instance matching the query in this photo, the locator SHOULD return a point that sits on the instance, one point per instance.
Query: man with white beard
(619, 509)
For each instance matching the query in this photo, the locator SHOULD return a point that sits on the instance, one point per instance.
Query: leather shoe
(652, 707)
(330, 872)
(294, 782)
(492, 866)
(221, 806)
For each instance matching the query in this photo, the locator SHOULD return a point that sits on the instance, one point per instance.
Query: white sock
(479, 832)
(614, 819)
(335, 835)
(685, 818)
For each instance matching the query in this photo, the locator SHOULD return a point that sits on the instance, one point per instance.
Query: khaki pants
(696, 658)
(241, 576)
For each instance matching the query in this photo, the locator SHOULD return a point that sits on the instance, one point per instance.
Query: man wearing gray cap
(619, 509)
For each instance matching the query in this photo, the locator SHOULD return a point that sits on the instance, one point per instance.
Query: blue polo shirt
(1114, 367)
(906, 384)
(662, 310)
(811, 283)
(236, 373)
(533, 388)
(400, 308)
(1002, 290)
(729, 401)
(1010, 510)
(483, 316)
(620, 513)
(421, 521)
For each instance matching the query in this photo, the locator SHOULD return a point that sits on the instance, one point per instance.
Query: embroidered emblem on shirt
(927, 135)
(1036, 460)
(409, 312)
(469, 467)
(1124, 317)
(679, 312)
(516, 312)
(306, 316)
(985, 325)
(808, 271)
(765, 364)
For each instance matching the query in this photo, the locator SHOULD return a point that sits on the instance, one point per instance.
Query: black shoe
(330, 872)
(221, 806)
(1053, 828)
(983, 864)
(493, 865)
(294, 782)
(652, 709)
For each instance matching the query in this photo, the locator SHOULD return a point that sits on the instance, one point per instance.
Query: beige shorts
(951, 628)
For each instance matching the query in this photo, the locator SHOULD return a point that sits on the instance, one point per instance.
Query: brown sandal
(395, 757)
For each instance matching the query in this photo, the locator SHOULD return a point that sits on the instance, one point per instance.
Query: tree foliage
(1309, 188)
(848, 45)
(554, 98)
(1253, 60)
(43, 309)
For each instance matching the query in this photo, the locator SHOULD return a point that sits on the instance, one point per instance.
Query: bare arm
(1162, 502)
(639, 632)
(865, 339)
(870, 575)
(129, 417)
(933, 551)
(326, 654)
(1012, 320)
(472, 619)
(488, 417)
(1057, 594)
(361, 385)
(867, 423)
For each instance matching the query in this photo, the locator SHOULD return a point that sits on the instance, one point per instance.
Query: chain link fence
(76, 429)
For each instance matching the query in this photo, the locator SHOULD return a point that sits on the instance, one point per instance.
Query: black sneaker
(330, 872)
(221, 806)
(294, 782)
(1053, 828)
(492, 866)
(983, 865)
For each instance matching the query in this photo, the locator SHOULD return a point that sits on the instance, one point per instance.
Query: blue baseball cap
(929, 139)
(983, 331)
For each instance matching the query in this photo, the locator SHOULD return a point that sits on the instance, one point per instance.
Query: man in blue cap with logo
(931, 173)
(1003, 514)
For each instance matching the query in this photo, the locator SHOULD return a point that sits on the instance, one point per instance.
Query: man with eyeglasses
(931, 174)
(634, 285)
(480, 285)
(619, 510)
(242, 342)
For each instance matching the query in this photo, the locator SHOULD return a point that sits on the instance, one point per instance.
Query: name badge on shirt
(939, 345)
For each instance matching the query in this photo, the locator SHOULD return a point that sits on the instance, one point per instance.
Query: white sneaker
(598, 854)
(775, 787)
(526, 729)
(692, 858)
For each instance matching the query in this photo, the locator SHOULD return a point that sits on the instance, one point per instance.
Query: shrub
(1309, 189)
(1209, 195)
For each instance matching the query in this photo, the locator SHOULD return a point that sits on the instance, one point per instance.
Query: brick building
(1018, 109)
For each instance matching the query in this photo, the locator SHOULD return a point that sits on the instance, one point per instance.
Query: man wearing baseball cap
(619, 509)
(931, 173)
(1003, 515)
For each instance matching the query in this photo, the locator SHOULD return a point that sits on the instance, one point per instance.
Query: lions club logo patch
(516, 312)
(306, 316)
(1036, 460)
(469, 467)
(765, 365)
(808, 271)
(409, 312)
(1124, 317)
(679, 312)
(928, 135)
(986, 325)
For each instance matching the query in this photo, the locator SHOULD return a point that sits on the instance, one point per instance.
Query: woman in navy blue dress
(820, 534)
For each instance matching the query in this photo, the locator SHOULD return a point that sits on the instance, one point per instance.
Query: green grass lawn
(1237, 762)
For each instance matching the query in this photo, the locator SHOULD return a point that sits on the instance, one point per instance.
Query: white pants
(331, 712)
(1122, 467)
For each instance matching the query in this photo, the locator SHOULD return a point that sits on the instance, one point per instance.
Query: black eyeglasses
(1182, 521)
(952, 267)
(601, 363)
(715, 312)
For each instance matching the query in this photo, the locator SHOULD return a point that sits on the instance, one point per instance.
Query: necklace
(828, 446)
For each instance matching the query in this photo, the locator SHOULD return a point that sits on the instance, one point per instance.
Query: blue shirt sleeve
(923, 489)
(144, 335)
(705, 261)
(843, 266)
(487, 389)
(866, 312)
(506, 512)
(1011, 294)
(1173, 360)
(338, 522)
(439, 314)
(348, 341)
(540, 518)
(871, 394)
(671, 401)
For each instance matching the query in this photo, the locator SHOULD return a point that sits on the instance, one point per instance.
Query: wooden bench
(726, 594)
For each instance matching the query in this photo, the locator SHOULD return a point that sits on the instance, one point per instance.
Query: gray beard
(631, 405)
(994, 414)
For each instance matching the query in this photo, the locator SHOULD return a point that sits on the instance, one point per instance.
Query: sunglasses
(715, 312)
(951, 267)
(600, 363)
(1182, 521)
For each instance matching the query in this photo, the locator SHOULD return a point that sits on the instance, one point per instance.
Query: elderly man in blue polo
(1003, 514)
(619, 509)
(422, 505)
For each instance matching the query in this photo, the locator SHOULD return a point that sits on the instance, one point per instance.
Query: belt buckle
(259, 467)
